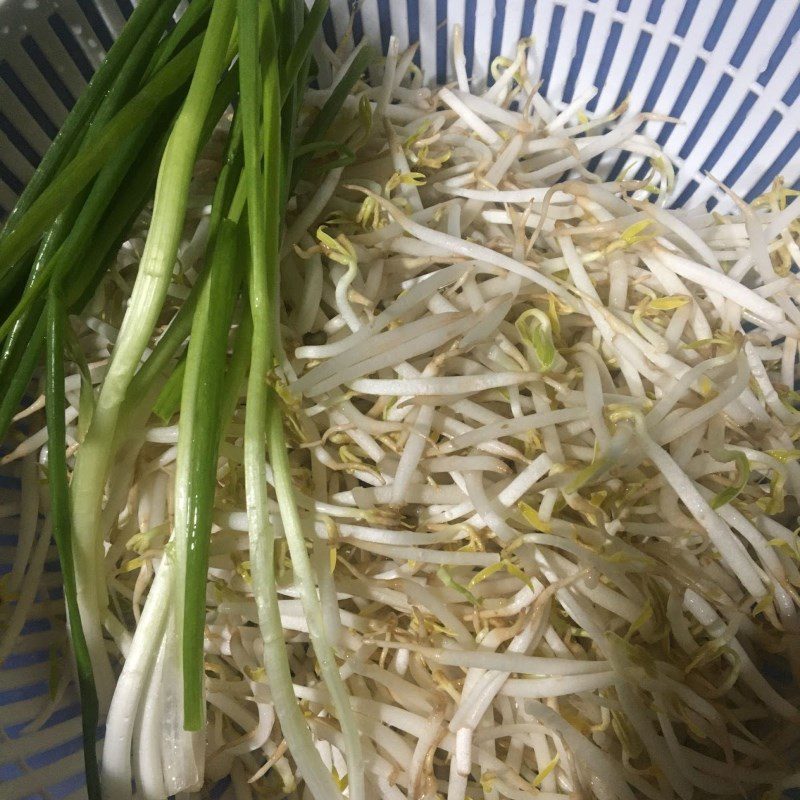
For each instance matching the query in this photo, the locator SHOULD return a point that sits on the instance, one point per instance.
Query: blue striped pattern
(469, 33)
(705, 143)
(553, 40)
(583, 35)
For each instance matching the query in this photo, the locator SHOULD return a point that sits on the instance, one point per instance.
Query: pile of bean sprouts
(543, 437)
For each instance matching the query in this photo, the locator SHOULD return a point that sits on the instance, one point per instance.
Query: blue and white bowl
(726, 68)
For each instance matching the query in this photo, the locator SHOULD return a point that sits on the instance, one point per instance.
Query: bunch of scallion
(133, 139)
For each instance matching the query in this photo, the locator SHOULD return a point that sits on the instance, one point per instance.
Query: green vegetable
(169, 400)
(261, 110)
(94, 457)
(62, 532)
(329, 111)
(140, 124)
(84, 109)
(198, 444)
(75, 176)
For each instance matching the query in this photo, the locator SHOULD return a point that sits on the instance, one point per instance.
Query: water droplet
(5, 30)
(91, 42)
(30, 5)
(76, 29)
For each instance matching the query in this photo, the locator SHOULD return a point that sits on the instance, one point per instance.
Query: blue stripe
(605, 62)
(412, 9)
(705, 117)
(219, 788)
(19, 89)
(526, 25)
(585, 29)
(71, 45)
(687, 15)
(594, 163)
(755, 146)
(64, 713)
(18, 140)
(92, 14)
(10, 179)
(60, 715)
(642, 44)
(67, 786)
(328, 31)
(622, 160)
(56, 592)
(552, 45)
(792, 92)
(753, 27)
(125, 7)
(441, 41)
(497, 33)
(8, 539)
(684, 196)
(36, 626)
(790, 151)
(358, 25)
(53, 754)
(664, 68)
(10, 771)
(385, 23)
(781, 48)
(35, 53)
(642, 171)
(623, 5)
(17, 660)
(683, 98)
(9, 696)
(718, 25)
(470, 12)
(654, 12)
(732, 130)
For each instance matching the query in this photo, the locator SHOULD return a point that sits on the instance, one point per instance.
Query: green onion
(19, 335)
(94, 456)
(88, 162)
(15, 386)
(99, 245)
(109, 104)
(331, 108)
(298, 57)
(198, 445)
(263, 207)
(81, 114)
(304, 574)
(62, 533)
(192, 22)
(169, 399)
